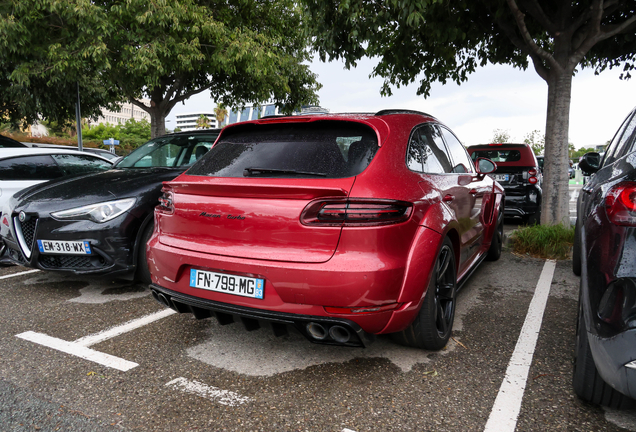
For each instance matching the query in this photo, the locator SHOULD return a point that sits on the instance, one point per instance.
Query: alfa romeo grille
(28, 231)
(25, 232)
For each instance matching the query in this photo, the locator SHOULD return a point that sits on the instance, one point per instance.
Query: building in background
(269, 109)
(128, 111)
(188, 121)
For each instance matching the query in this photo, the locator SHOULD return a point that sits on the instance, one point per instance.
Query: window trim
(450, 156)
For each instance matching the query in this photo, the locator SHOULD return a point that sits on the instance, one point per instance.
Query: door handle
(448, 198)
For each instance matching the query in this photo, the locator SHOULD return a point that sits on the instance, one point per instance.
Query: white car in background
(22, 167)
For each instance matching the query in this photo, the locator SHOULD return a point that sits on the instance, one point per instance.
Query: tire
(143, 271)
(576, 251)
(588, 384)
(494, 252)
(433, 324)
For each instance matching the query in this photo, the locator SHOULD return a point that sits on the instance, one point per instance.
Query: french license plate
(501, 177)
(226, 283)
(64, 247)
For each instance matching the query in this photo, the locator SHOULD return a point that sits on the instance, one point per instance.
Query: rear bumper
(317, 329)
(349, 279)
(523, 205)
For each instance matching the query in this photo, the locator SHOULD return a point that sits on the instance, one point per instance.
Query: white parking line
(18, 274)
(224, 397)
(504, 414)
(80, 348)
(124, 328)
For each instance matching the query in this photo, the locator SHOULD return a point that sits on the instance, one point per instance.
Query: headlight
(100, 212)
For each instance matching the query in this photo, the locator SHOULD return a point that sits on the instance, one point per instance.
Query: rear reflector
(355, 212)
(361, 310)
(620, 204)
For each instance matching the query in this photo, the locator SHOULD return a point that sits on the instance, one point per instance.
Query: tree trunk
(555, 205)
(157, 121)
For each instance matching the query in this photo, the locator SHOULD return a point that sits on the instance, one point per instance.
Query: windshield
(170, 151)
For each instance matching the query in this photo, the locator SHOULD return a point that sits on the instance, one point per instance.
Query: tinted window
(426, 152)
(502, 155)
(80, 164)
(621, 140)
(461, 160)
(319, 149)
(41, 167)
(168, 151)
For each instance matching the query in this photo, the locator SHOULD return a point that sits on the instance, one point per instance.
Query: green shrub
(543, 241)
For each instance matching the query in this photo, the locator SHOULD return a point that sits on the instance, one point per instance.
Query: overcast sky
(494, 97)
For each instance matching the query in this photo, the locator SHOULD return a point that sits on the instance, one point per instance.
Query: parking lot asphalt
(83, 355)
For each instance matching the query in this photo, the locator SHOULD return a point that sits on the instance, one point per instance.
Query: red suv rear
(341, 226)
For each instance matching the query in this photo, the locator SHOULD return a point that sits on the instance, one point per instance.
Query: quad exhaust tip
(317, 331)
(338, 333)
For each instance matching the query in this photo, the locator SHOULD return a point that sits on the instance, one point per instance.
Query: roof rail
(401, 111)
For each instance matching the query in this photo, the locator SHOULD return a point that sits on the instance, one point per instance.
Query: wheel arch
(147, 220)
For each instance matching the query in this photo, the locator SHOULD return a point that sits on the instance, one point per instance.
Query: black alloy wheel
(433, 324)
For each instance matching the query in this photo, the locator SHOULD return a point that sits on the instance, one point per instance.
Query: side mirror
(485, 166)
(590, 163)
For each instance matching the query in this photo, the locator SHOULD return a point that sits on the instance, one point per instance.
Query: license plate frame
(64, 247)
(241, 285)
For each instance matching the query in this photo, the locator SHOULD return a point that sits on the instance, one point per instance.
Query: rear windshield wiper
(255, 171)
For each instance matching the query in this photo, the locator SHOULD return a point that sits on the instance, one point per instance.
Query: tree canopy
(438, 40)
(243, 51)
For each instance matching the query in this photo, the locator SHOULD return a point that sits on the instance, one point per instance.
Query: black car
(519, 173)
(99, 224)
(6, 142)
(604, 255)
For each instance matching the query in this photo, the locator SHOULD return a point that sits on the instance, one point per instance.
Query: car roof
(192, 132)
(30, 151)
(497, 145)
(340, 116)
(380, 120)
(526, 155)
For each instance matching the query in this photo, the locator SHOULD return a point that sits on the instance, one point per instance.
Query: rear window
(521, 156)
(329, 149)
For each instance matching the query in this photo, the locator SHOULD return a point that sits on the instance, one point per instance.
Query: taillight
(531, 176)
(355, 212)
(166, 205)
(620, 204)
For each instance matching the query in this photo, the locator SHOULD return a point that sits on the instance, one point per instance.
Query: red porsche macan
(342, 226)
